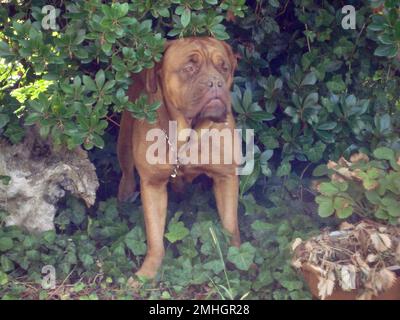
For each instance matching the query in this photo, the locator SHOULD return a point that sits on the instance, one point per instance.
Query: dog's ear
(151, 78)
(151, 75)
(231, 55)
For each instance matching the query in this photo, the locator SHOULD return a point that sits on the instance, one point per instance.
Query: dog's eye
(188, 68)
(194, 59)
(224, 66)
(192, 65)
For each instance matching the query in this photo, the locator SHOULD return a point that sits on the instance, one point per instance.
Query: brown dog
(193, 83)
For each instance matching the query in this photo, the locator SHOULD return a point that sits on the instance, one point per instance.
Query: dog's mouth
(214, 103)
(214, 109)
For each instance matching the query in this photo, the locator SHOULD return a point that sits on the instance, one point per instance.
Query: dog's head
(195, 77)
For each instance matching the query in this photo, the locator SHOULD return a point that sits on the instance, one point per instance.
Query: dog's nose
(214, 82)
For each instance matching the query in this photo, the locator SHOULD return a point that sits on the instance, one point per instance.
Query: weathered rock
(40, 176)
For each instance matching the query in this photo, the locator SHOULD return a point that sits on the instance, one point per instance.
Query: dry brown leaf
(363, 241)
(346, 226)
(313, 259)
(359, 157)
(331, 164)
(309, 246)
(345, 172)
(372, 258)
(382, 229)
(314, 185)
(337, 178)
(343, 162)
(385, 279)
(369, 283)
(360, 263)
(326, 285)
(348, 277)
(398, 253)
(317, 269)
(297, 263)
(296, 243)
(362, 225)
(366, 295)
(381, 241)
(356, 174)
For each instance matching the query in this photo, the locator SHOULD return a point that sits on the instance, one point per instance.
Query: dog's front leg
(155, 200)
(226, 190)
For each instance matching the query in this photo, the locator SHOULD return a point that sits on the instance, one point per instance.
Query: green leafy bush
(386, 25)
(367, 188)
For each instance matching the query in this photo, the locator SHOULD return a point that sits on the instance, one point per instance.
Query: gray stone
(40, 176)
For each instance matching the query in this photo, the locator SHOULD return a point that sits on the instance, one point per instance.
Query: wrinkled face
(196, 77)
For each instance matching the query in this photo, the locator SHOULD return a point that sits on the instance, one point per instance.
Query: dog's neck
(166, 114)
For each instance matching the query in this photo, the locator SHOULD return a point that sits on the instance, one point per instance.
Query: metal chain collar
(178, 164)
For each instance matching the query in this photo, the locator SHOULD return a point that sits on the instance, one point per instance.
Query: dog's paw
(145, 275)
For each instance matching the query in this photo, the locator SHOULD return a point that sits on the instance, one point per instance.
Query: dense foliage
(363, 186)
(312, 91)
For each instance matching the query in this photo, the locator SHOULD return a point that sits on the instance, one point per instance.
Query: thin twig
(112, 121)
(307, 38)
(62, 284)
(301, 178)
(284, 9)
